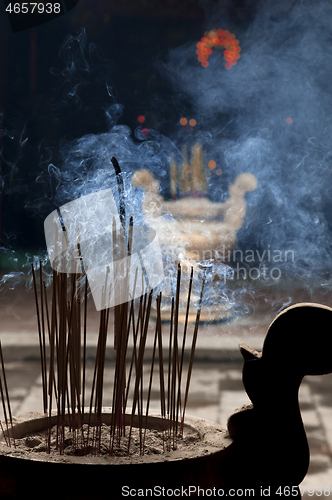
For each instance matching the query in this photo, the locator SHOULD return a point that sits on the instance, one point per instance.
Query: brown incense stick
(51, 367)
(150, 383)
(175, 357)
(43, 335)
(41, 346)
(169, 374)
(192, 352)
(84, 342)
(161, 359)
(7, 399)
(5, 414)
(139, 372)
(183, 346)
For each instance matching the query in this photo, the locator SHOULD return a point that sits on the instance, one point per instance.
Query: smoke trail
(269, 115)
(276, 102)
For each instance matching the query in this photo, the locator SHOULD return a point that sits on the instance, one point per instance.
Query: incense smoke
(268, 115)
(271, 115)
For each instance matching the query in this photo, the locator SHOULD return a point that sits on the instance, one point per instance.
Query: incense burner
(265, 445)
(94, 477)
(193, 229)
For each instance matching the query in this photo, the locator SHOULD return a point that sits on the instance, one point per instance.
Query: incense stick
(139, 373)
(183, 346)
(7, 400)
(150, 383)
(41, 345)
(192, 353)
(84, 342)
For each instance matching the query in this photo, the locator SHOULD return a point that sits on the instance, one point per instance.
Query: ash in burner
(85, 442)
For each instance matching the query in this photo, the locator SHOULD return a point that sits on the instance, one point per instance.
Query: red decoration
(217, 39)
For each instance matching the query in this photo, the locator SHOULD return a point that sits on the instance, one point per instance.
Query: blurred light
(212, 164)
(145, 131)
(141, 118)
(183, 121)
(218, 39)
(192, 122)
(289, 120)
(218, 171)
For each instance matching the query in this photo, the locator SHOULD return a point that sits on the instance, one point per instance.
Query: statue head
(298, 343)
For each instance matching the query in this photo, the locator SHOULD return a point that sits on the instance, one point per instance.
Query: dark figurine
(270, 448)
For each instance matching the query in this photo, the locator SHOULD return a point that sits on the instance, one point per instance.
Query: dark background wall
(38, 114)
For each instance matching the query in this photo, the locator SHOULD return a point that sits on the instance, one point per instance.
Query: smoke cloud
(271, 115)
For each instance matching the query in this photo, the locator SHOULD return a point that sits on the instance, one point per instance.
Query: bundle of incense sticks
(62, 329)
(191, 179)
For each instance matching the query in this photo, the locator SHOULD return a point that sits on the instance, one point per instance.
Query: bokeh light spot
(218, 171)
(212, 164)
(141, 118)
(289, 120)
(145, 131)
(192, 122)
(183, 121)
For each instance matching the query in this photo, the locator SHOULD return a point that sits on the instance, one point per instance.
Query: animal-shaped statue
(270, 448)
